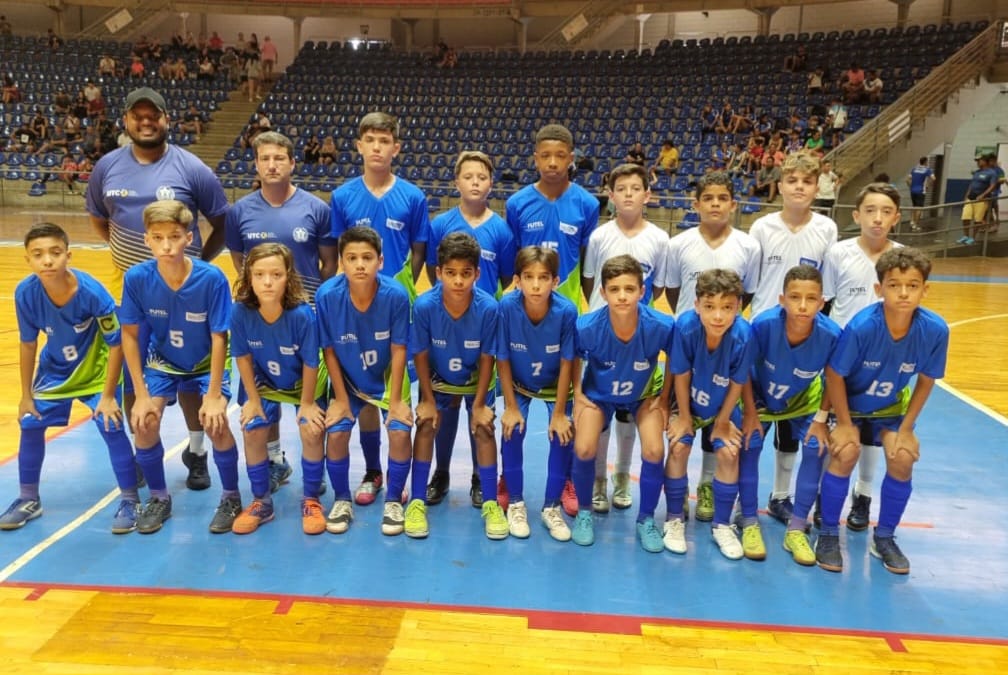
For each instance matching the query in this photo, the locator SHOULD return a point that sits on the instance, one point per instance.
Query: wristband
(821, 416)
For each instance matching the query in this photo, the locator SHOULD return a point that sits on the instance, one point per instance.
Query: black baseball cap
(146, 94)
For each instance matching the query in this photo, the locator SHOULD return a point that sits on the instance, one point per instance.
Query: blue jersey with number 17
(615, 371)
(535, 350)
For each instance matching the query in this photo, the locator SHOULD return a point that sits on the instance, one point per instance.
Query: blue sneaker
(969, 241)
(125, 519)
(583, 533)
(279, 473)
(20, 512)
(650, 536)
(962, 240)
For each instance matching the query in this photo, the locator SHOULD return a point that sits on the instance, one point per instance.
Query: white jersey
(689, 254)
(781, 249)
(649, 247)
(849, 279)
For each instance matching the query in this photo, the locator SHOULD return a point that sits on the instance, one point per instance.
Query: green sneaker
(752, 543)
(797, 544)
(494, 521)
(704, 502)
(416, 519)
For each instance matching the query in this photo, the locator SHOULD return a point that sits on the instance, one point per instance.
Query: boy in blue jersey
(81, 359)
(397, 210)
(974, 211)
(274, 340)
(793, 343)
(920, 179)
(712, 353)
(868, 385)
(187, 305)
(453, 346)
(619, 346)
(364, 327)
(473, 178)
(535, 359)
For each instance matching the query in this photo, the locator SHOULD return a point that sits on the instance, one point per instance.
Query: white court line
(966, 398)
(59, 534)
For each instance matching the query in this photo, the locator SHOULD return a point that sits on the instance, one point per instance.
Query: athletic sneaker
(495, 523)
(476, 492)
(125, 519)
(622, 498)
(780, 510)
(962, 239)
(674, 538)
(704, 502)
(827, 553)
(279, 473)
(155, 513)
(816, 515)
(392, 519)
(752, 543)
(797, 544)
(584, 529)
(569, 499)
(600, 502)
(20, 512)
(416, 519)
(969, 241)
(199, 477)
(724, 536)
(224, 517)
(517, 517)
(437, 489)
(368, 490)
(860, 511)
(312, 520)
(503, 497)
(340, 516)
(248, 521)
(886, 550)
(554, 521)
(650, 537)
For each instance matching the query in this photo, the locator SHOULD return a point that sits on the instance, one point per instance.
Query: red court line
(36, 594)
(616, 624)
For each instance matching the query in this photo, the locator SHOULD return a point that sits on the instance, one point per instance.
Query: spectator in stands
(67, 173)
(79, 107)
(708, 120)
(668, 160)
(229, 64)
(744, 120)
(635, 155)
(269, 58)
(155, 50)
(836, 120)
(852, 83)
(215, 44)
(96, 106)
(766, 180)
(920, 179)
(725, 119)
(794, 143)
(311, 150)
(54, 41)
(91, 90)
(141, 47)
(40, 127)
(57, 141)
(193, 121)
(815, 81)
(815, 143)
(327, 154)
(24, 138)
(252, 46)
(11, 93)
(796, 61)
(177, 40)
(755, 150)
(107, 66)
(813, 126)
(91, 145)
(981, 186)
(252, 74)
(205, 68)
(136, 70)
(764, 126)
(72, 126)
(873, 87)
(826, 188)
(739, 161)
(5, 25)
(189, 44)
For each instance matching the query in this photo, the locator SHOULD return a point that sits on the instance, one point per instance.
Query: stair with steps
(227, 124)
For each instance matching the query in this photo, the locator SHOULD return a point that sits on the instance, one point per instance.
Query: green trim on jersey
(570, 287)
(801, 404)
(293, 396)
(386, 398)
(88, 377)
(405, 277)
(467, 389)
(897, 409)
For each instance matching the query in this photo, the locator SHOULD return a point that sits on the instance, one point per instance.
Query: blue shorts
(167, 385)
(871, 428)
(525, 401)
(610, 409)
(706, 428)
(356, 405)
(445, 401)
(56, 412)
(272, 411)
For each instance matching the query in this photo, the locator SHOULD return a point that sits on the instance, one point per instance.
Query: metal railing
(595, 12)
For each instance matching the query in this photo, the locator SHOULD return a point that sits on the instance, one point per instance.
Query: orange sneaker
(249, 520)
(312, 519)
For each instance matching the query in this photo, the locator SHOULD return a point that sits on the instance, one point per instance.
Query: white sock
(196, 443)
(626, 434)
(783, 468)
(870, 455)
(602, 454)
(274, 451)
(707, 470)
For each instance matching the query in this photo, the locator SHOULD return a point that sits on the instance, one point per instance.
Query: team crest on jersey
(196, 317)
(300, 235)
(83, 327)
(287, 351)
(393, 224)
(471, 344)
(568, 229)
(165, 192)
(641, 365)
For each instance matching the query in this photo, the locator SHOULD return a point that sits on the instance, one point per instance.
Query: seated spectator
(794, 143)
(177, 40)
(193, 121)
(141, 47)
(54, 41)
(96, 106)
(205, 68)
(708, 119)
(91, 90)
(668, 160)
(815, 81)
(24, 138)
(79, 107)
(743, 120)
(766, 181)
(635, 155)
(796, 62)
(813, 126)
(136, 70)
(327, 154)
(92, 145)
(763, 127)
(179, 69)
(311, 151)
(873, 87)
(739, 162)
(40, 126)
(755, 151)
(66, 173)
(725, 118)
(84, 168)
(189, 44)
(815, 143)
(155, 50)
(107, 67)
(11, 93)
(72, 127)
(57, 141)
(165, 69)
(852, 84)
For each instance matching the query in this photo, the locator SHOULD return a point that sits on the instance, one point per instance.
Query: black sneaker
(437, 489)
(886, 550)
(780, 509)
(827, 553)
(155, 513)
(199, 477)
(141, 481)
(224, 516)
(860, 510)
(476, 492)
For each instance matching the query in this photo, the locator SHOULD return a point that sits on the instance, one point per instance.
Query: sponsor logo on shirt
(82, 327)
(196, 317)
(382, 335)
(721, 381)
(641, 365)
(366, 222)
(534, 225)
(300, 235)
(393, 224)
(259, 235)
(871, 364)
(568, 229)
(518, 347)
(438, 342)
(857, 290)
(769, 366)
(471, 344)
(48, 330)
(287, 351)
(693, 276)
(552, 349)
(119, 192)
(811, 263)
(774, 260)
(255, 344)
(805, 374)
(488, 255)
(347, 338)
(907, 367)
(161, 313)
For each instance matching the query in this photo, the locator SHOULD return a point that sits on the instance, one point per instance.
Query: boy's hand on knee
(729, 435)
(844, 436)
(819, 433)
(27, 407)
(427, 412)
(482, 418)
(109, 412)
(213, 414)
(337, 411)
(905, 441)
(752, 429)
(400, 412)
(312, 415)
(678, 427)
(249, 411)
(561, 428)
(512, 419)
(145, 415)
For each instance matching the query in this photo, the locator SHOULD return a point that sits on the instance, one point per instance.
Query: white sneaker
(517, 518)
(600, 502)
(675, 536)
(622, 498)
(555, 523)
(393, 520)
(729, 544)
(339, 517)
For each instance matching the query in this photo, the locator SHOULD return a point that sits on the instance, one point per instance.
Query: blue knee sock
(724, 500)
(444, 438)
(259, 477)
(370, 443)
(807, 483)
(121, 456)
(675, 494)
(339, 476)
(556, 471)
(583, 475)
(311, 473)
(151, 461)
(833, 491)
(894, 498)
(748, 482)
(650, 488)
(226, 462)
(418, 479)
(397, 472)
(31, 453)
(511, 458)
(488, 482)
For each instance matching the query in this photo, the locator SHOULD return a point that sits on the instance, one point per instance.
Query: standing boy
(974, 211)
(920, 179)
(397, 210)
(868, 385)
(187, 304)
(81, 359)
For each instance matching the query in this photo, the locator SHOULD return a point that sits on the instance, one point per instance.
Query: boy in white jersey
(713, 244)
(848, 280)
(795, 235)
(629, 233)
